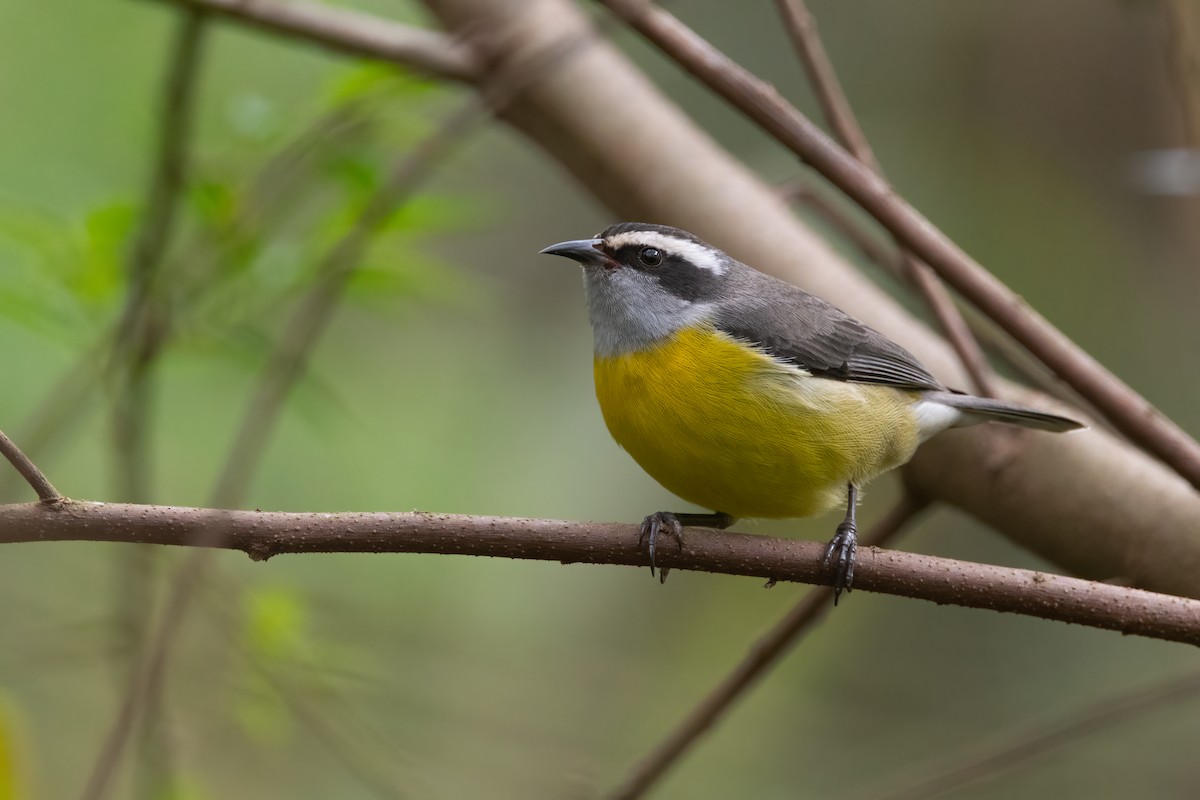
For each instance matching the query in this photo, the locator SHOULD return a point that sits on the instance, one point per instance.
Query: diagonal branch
(352, 33)
(941, 580)
(1034, 741)
(284, 366)
(29, 471)
(140, 337)
(766, 651)
(289, 359)
(1130, 413)
(287, 362)
(803, 29)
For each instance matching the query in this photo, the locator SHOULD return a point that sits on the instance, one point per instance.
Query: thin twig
(994, 342)
(62, 405)
(1028, 743)
(284, 366)
(29, 471)
(352, 33)
(59, 412)
(307, 324)
(139, 334)
(874, 250)
(287, 362)
(772, 646)
(1131, 413)
(803, 29)
(139, 340)
(951, 321)
(363, 761)
(144, 685)
(940, 580)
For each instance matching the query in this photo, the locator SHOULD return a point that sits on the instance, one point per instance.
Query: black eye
(650, 256)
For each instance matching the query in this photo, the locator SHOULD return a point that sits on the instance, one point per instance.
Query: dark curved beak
(585, 251)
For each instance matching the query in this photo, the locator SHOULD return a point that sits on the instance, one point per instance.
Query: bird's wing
(816, 336)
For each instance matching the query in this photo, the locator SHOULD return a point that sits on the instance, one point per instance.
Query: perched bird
(741, 393)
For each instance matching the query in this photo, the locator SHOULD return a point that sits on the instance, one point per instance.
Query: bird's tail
(984, 409)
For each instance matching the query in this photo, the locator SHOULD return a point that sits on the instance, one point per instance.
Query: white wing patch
(697, 254)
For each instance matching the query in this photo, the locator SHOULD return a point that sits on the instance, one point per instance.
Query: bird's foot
(663, 522)
(841, 552)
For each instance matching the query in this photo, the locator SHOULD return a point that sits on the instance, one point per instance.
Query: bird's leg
(672, 525)
(843, 547)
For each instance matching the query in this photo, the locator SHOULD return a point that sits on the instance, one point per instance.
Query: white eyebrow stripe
(697, 254)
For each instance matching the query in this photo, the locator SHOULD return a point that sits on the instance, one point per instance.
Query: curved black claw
(841, 552)
(663, 522)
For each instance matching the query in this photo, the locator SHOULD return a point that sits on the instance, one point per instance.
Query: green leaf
(213, 201)
(357, 174)
(391, 277)
(276, 623)
(438, 213)
(107, 231)
(375, 80)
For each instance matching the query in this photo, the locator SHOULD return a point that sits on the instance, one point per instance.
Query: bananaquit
(741, 393)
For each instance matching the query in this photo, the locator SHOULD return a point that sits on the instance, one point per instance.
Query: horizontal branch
(352, 33)
(944, 581)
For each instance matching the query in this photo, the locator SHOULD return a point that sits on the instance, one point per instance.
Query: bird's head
(645, 282)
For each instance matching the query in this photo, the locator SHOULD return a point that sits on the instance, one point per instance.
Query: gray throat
(628, 315)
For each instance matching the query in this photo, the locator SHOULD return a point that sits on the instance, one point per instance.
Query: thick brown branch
(29, 471)
(352, 33)
(940, 580)
(1132, 414)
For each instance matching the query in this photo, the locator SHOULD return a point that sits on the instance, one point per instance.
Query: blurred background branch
(764, 654)
(287, 362)
(1128, 411)
(802, 27)
(351, 33)
(139, 338)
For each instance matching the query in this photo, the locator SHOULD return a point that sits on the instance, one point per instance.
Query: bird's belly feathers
(732, 429)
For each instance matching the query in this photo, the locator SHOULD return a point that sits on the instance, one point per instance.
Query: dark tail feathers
(984, 409)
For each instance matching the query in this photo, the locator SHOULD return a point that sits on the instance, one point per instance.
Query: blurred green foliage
(14, 768)
(456, 377)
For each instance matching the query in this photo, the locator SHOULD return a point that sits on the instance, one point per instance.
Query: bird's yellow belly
(731, 429)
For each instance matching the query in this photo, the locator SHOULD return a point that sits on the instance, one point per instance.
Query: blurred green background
(456, 377)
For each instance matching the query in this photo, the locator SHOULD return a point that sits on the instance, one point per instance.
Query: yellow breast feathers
(730, 428)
